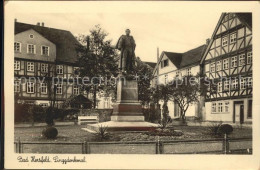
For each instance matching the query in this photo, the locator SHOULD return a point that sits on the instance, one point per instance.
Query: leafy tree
(145, 73)
(162, 92)
(184, 91)
(97, 61)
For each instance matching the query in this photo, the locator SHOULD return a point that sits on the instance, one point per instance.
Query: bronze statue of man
(126, 44)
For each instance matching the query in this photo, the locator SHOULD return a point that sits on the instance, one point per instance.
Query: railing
(212, 146)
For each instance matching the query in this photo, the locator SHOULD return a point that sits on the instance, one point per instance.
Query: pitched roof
(174, 57)
(246, 18)
(190, 57)
(181, 60)
(64, 40)
(193, 56)
(151, 64)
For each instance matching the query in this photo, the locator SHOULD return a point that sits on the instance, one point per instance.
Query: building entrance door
(239, 113)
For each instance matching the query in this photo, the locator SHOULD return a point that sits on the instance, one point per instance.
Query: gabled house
(42, 53)
(227, 62)
(171, 65)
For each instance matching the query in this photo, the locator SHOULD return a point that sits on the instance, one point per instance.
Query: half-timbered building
(227, 62)
(44, 55)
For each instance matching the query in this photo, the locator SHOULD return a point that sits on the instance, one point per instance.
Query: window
(225, 64)
(242, 83)
(220, 107)
(233, 38)
(30, 66)
(45, 50)
(218, 67)
(58, 88)
(17, 65)
(30, 87)
(219, 86)
(224, 41)
(249, 57)
(226, 106)
(213, 107)
(226, 85)
(17, 47)
(44, 68)
(234, 62)
(16, 86)
(31, 36)
(249, 82)
(234, 84)
(241, 59)
(59, 69)
(76, 90)
(189, 71)
(249, 113)
(31, 49)
(164, 63)
(44, 88)
(212, 67)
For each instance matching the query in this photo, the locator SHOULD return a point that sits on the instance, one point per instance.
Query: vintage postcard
(131, 85)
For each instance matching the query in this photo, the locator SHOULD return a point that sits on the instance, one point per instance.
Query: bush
(165, 122)
(28, 113)
(102, 133)
(50, 132)
(63, 114)
(225, 129)
(213, 130)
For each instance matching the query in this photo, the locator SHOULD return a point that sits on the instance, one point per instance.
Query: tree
(162, 92)
(49, 79)
(97, 60)
(145, 73)
(184, 91)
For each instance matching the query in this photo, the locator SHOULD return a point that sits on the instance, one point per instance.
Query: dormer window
(31, 36)
(164, 63)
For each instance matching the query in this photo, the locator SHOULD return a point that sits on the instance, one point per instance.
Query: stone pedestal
(127, 111)
(127, 106)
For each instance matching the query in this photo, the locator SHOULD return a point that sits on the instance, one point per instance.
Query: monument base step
(122, 126)
(127, 118)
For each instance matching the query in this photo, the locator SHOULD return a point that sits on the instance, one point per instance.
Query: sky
(175, 31)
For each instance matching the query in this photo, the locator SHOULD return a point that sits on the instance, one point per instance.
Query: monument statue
(127, 110)
(126, 44)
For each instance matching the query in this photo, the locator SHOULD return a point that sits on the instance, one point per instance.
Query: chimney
(15, 20)
(39, 24)
(42, 24)
(207, 41)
